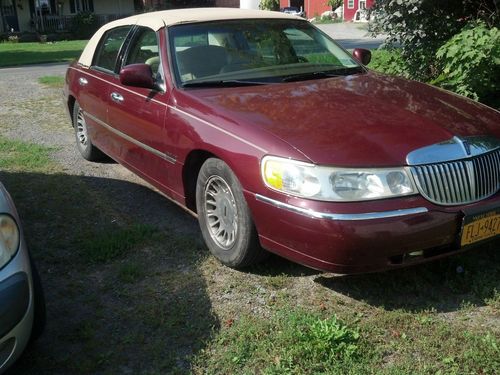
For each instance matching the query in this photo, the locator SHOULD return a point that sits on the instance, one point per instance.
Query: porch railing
(48, 24)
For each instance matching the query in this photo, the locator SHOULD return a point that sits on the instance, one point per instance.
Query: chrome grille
(461, 181)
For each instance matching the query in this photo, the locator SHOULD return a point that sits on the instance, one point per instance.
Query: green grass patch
(17, 156)
(33, 53)
(291, 341)
(109, 244)
(52, 81)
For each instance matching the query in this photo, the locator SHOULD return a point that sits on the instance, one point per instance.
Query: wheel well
(192, 167)
(71, 105)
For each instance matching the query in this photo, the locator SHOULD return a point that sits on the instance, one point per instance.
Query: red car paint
(365, 120)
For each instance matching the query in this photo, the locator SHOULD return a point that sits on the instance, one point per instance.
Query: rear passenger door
(138, 114)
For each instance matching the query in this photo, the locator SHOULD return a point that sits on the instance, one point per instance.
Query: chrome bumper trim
(341, 217)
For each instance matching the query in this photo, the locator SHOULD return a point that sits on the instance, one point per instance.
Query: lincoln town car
(279, 140)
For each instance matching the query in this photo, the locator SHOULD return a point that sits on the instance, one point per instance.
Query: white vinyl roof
(157, 20)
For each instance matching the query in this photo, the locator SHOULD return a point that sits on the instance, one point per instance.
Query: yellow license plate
(480, 227)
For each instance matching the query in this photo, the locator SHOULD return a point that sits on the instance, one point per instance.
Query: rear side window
(110, 47)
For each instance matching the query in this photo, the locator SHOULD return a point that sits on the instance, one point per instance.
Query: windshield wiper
(321, 74)
(223, 83)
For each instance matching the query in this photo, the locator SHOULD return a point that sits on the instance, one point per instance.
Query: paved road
(351, 35)
(35, 70)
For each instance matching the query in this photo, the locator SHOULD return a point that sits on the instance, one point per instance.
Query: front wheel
(224, 217)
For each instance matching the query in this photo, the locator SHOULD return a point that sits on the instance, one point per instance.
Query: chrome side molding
(341, 217)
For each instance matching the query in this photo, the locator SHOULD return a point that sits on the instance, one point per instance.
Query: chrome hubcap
(221, 212)
(81, 129)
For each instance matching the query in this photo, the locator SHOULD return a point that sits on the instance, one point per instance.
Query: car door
(138, 114)
(94, 84)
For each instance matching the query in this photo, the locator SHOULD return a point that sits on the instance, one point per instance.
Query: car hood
(359, 120)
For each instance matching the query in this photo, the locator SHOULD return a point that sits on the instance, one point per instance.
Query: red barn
(354, 10)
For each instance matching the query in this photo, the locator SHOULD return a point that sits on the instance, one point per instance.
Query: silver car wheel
(221, 212)
(81, 130)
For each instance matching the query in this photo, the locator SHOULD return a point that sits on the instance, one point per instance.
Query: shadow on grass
(444, 285)
(143, 308)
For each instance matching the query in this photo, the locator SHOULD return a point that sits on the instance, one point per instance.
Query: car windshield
(255, 52)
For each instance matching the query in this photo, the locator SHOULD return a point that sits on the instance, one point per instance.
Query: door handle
(116, 97)
(82, 81)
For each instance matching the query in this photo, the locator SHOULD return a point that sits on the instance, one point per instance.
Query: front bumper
(380, 235)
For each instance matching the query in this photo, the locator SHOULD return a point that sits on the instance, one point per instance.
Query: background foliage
(453, 44)
(269, 4)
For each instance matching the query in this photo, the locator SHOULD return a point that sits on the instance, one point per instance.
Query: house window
(45, 7)
(76, 6)
(350, 4)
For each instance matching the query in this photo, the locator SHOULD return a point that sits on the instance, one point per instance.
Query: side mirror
(364, 56)
(137, 75)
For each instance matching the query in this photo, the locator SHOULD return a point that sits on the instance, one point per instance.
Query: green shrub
(421, 27)
(389, 61)
(84, 25)
(470, 63)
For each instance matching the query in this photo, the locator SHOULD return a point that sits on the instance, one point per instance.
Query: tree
(334, 3)
(269, 4)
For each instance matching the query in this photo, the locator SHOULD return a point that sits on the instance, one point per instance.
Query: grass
(107, 245)
(18, 156)
(291, 341)
(13, 54)
(52, 81)
(121, 273)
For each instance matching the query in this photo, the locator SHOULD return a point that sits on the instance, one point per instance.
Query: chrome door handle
(82, 81)
(116, 97)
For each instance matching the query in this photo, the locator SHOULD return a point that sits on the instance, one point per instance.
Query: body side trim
(341, 217)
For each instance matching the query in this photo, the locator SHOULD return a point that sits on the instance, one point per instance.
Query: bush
(421, 27)
(84, 25)
(269, 5)
(470, 63)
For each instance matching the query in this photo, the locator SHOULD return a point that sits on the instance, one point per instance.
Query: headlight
(334, 184)
(9, 239)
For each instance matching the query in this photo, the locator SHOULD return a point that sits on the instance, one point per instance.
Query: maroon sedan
(276, 138)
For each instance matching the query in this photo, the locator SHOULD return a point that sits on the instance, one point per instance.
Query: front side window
(258, 51)
(109, 48)
(350, 4)
(144, 50)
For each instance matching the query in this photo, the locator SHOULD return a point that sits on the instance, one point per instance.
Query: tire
(40, 314)
(83, 141)
(225, 221)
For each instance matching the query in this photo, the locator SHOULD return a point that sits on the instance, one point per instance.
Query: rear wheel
(83, 140)
(224, 217)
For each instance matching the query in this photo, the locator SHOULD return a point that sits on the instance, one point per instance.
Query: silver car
(22, 304)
